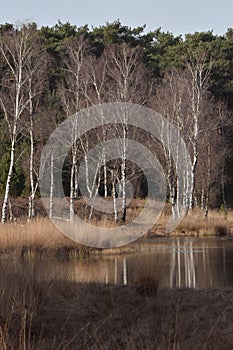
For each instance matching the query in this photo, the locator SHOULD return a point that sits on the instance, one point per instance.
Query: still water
(176, 262)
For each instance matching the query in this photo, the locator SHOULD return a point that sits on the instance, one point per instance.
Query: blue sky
(178, 17)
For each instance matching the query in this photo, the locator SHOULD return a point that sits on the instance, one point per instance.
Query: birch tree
(127, 81)
(96, 92)
(83, 86)
(184, 100)
(212, 150)
(36, 82)
(16, 49)
(71, 91)
(198, 74)
(171, 102)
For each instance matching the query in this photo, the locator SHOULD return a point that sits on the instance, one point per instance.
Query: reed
(216, 224)
(40, 236)
(195, 224)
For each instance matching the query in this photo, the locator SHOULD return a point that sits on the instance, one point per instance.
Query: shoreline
(40, 238)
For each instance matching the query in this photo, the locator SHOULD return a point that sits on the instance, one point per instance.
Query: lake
(177, 262)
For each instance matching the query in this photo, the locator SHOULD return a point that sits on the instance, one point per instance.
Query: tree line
(48, 74)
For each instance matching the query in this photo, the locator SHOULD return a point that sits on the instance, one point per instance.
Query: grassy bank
(40, 237)
(217, 224)
(196, 224)
(42, 308)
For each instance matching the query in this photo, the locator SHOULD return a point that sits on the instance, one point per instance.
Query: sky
(178, 17)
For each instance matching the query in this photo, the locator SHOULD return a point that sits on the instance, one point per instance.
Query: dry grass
(195, 224)
(216, 224)
(40, 236)
(38, 233)
(219, 222)
(35, 238)
(40, 308)
(24, 287)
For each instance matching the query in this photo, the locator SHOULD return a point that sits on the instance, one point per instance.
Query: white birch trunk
(94, 197)
(199, 84)
(16, 51)
(51, 186)
(193, 178)
(76, 181)
(123, 175)
(9, 175)
(72, 174)
(114, 200)
(73, 166)
(31, 210)
(13, 132)
(105, 175)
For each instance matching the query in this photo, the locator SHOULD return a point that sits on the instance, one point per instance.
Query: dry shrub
(147, 285)
(221, 230)
(146, 274)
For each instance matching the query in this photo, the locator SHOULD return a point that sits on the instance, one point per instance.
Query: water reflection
(177, 262)
(183, 265)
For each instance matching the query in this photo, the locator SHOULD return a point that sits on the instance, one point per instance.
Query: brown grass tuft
(147, 286)
(148, 271)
